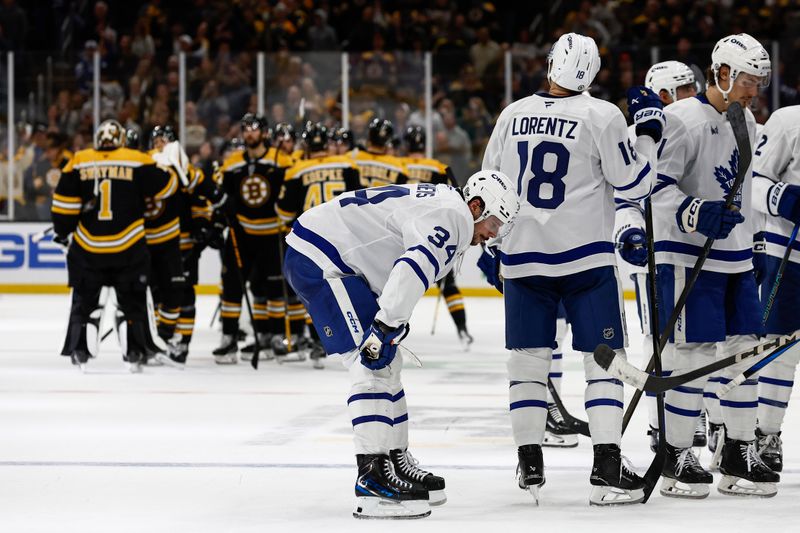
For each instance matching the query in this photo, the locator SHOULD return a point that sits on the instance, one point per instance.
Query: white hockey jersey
(568, 155)
(698, 157)
(629, 214)
(399, 238)
(775, 160)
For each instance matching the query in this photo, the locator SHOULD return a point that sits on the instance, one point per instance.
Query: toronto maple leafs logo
(726, 175)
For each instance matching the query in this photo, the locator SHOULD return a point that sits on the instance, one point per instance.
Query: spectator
(484, 52)
(453, 146)
(143, 44)
(41, 178)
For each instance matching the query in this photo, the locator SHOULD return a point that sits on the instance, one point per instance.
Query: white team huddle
(561, 200)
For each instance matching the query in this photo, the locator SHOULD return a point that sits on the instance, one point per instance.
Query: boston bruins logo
(254, 190)
(153, 208)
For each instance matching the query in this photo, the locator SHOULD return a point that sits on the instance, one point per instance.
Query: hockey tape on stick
(741, 378)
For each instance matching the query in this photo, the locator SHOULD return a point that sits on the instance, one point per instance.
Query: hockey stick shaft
(216, 313)
(741, 378)
(777, 283)
(286, 320)
(240, 274)
(657, 465)
(436, 311)
(739, 126)
(576, 424)
(623, 370)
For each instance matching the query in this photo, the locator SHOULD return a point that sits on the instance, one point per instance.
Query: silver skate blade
(534, 490)
(611, 496)
(134, 368)
(672, 488)
(375, 508)
(83, 368)
(291, 357)
(165, 360)
(731, 486)
(551, 440)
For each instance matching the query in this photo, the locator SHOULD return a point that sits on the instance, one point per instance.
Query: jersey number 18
(546, 187)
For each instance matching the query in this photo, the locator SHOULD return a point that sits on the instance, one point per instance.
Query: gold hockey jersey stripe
(109, 244)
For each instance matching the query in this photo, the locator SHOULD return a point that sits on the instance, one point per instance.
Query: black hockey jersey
(426, 170)
(100, 197)
(311, 182)
(377, 170)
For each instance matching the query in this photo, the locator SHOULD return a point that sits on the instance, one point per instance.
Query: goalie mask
(498, 195)
(109, 136)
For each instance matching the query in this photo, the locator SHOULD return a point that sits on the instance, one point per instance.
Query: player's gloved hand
(633, 246)
(760, 267)
(489, 263)
(217, 197)
(646, 110)
(62, 240)
(784, 199)
(380, 345)
(710, 218)
(202, 235)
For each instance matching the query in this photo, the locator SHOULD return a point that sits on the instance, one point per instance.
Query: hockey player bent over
(570, 152)
(360, 263)
(776, 191)
(696, 168)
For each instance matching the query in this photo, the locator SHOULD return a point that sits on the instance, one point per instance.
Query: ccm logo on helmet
(497, 178)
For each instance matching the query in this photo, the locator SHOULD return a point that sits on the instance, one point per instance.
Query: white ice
(228, 449)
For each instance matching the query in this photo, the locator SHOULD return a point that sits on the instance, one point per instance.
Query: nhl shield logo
(328, 331)
(608, 333)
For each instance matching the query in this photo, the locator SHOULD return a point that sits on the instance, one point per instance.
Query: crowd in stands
(139, 43)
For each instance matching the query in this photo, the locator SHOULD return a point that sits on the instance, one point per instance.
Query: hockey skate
(557, 434)
(316, 353)
(175, 356)
(380, 494)
(280, 346)
(265, 352)
(770, 448)
(530, 469)
(225, 353)
(700, 440)
(716, 438)
(745, 474)
(613, 483)
(80, 358)
(134, 362)
(683, 477)
(465, 338)
(406, 467)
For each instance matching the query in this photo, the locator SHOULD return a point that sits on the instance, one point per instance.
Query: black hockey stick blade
(576, 424)
(604, 356)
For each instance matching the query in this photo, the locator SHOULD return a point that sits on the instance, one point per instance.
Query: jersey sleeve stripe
(664, 181)
(416, 268)
(642, 174)
(322, 245)
(714, 255)
(427, 253)
(568, 256)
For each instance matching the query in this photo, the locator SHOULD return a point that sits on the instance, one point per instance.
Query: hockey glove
(784, 200)
(710, 218)
(380, 345)
(633, 247)
(62, 240)
(489, 263)
(646, 110)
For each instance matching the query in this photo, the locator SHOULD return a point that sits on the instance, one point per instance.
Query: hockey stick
(626, 372)
(739, 126)
(779, 277)
(240, 274)
(741, 378)
(287, 324)
(216, 313)
(575, 424)
(657, 466)
(436, 310)
(36, 237)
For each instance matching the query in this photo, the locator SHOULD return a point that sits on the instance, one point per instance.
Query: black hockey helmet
(132, 139)
(284, 132)
(254, 122)
(315, 137)
(381, 132)
(414, 138)
(162, 131)
(343, 136)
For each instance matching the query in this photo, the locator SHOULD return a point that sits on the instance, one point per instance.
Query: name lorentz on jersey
(423, 228)
(568, 154)
(698, 157)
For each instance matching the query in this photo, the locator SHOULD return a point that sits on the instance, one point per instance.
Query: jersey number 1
(546, 188)
(105, 201)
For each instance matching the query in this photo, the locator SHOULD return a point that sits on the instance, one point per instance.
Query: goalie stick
(626, 372)
(575, 424)
(739, 126)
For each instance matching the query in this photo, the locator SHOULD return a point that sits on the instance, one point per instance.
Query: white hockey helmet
(109, 135)
(498, 195)
(668, 76)
(573, 62)
(742, 53)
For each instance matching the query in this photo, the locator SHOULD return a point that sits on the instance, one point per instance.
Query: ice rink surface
(228, 449)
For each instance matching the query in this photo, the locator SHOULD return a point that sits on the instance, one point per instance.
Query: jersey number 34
(549, 163)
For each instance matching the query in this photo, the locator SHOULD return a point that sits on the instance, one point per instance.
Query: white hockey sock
(775, 383)
(556, 372)
(399, 418)
(371, 405)
(710, 400)
(740, 405)
(527, 392)
(682, 404)
(603, 400)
